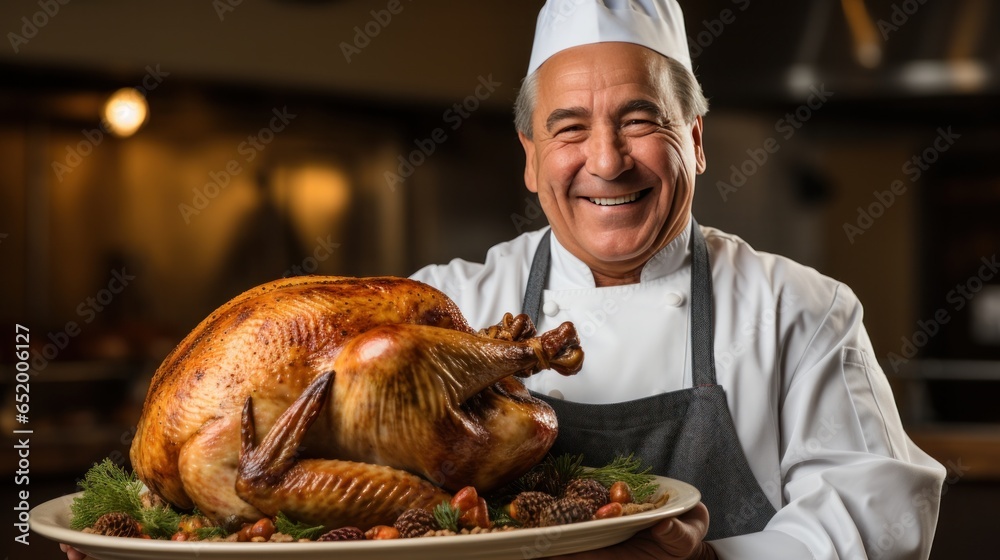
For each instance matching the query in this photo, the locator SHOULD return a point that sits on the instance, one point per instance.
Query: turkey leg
(419, 360)
(331, 493)
(434, 402)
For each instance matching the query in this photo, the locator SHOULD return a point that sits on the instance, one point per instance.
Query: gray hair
(672, 77)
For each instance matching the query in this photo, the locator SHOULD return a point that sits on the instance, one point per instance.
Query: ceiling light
(125, 111)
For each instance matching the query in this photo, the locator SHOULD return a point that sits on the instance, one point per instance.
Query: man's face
(611, 158)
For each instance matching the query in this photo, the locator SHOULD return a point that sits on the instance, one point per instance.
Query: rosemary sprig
(295, 529)
(628, 469)
(500, 516)
(159, 522)
(447, 516)
(206, 533)
(559, 471)
(107, 488)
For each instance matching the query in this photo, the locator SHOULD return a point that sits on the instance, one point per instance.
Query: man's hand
(677, 538)
(72, 553)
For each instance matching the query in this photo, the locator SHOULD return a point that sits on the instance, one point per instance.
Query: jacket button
(550, 308)
(674, 299)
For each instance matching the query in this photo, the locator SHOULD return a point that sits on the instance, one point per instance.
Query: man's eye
(641, 122)
(570, 128)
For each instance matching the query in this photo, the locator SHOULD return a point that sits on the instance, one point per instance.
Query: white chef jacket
(812, 408)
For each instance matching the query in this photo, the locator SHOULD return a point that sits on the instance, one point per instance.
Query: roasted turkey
(344, 401)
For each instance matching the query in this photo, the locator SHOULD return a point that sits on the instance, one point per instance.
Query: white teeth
(615, 201)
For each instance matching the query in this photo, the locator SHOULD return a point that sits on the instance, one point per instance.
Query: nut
(607, 511)
(620, 492)
(244, 533)
(381, 532)
(465, 499)
(191, 523)
(478, 516)
(262, 528)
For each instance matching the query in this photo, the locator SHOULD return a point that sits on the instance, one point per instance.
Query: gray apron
(687, 434)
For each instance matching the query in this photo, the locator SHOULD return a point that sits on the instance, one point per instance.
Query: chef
(743, 373)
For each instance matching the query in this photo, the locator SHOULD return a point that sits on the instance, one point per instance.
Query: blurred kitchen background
(350, 137)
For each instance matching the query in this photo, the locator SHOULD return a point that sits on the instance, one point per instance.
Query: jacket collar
(570, 273)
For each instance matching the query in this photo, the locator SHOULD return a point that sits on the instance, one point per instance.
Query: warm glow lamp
(125, 111)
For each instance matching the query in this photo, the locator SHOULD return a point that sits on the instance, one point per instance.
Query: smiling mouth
(618, 201)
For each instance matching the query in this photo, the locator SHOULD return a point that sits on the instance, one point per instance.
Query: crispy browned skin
(402, 392)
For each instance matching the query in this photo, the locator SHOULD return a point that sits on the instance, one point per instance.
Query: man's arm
(677, 538)
(853, 484)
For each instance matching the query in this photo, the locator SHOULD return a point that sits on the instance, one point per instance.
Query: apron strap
(702, 314)
(537, 278)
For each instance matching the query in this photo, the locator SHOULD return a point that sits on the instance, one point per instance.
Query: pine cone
(589, 492)
(527, 482)
(117, 525)
(549, 483)
(343, 534)
(527, 507)
(415, 522)
(563, 512)
(532, 480)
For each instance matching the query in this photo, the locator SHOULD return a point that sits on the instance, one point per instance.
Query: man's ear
(699, 147)
(529, 162)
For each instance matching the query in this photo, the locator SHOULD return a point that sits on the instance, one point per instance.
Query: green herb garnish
(557, 472)
(500, 516)
(108, 488)
(627, 469)
(296, 529)
(206, 533)
(160, 522)
(447, 516)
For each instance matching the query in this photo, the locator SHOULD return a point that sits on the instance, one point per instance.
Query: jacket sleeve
(854, 485)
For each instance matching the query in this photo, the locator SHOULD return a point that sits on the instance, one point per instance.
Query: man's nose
(608, 155)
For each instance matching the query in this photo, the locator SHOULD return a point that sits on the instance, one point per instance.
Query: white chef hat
(654, 24)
